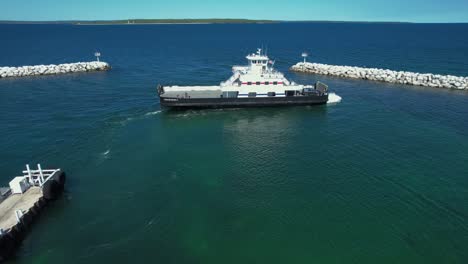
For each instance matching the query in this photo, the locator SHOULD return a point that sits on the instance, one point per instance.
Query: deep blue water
(380, 177)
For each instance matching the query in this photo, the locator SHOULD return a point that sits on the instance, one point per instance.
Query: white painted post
(19, 215)
(41, 181)
(29, 174)
(304, 55)
(97, 54)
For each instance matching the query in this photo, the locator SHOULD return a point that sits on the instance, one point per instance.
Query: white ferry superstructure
(256, 84)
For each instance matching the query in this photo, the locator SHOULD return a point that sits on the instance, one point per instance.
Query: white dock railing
(38, 177)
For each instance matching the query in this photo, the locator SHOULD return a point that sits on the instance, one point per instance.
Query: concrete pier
(382, 75)
(18, 202)
(8, 72)
(22, 202)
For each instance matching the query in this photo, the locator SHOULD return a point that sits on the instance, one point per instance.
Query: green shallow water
(380, 177)
(269, 185)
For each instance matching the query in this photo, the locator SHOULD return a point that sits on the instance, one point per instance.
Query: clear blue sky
(348, 10)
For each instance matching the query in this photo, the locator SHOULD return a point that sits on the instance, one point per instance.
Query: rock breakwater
(24, 71)
(382, 75)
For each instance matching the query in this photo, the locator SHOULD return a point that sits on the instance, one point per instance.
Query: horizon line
(219, 20)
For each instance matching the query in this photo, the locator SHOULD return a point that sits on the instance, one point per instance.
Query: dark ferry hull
(242, 102)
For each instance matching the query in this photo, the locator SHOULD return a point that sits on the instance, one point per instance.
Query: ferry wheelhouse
(256, 84)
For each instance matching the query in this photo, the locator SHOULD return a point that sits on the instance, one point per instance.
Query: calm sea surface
(381, 177)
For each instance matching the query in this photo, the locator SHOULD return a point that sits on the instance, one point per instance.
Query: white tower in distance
(304, 55)
(97, 54)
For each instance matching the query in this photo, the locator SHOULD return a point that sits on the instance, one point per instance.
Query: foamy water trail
(139, 116)
(153, 113)
(333, 98)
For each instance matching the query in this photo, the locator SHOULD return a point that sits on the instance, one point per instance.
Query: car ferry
(253, 85)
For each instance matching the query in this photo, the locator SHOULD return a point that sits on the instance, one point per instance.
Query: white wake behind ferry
(257, 84)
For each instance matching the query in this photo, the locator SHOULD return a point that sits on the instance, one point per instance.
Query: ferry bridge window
(252, 94)
(271, 94)
(275, 83)
(249, 83)
(267, 83)
(257, 83)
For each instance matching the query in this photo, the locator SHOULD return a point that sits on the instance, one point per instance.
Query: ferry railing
(231, 80)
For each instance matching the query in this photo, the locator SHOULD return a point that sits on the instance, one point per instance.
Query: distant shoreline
(125, 24)
(146, 22)
(198, 21)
